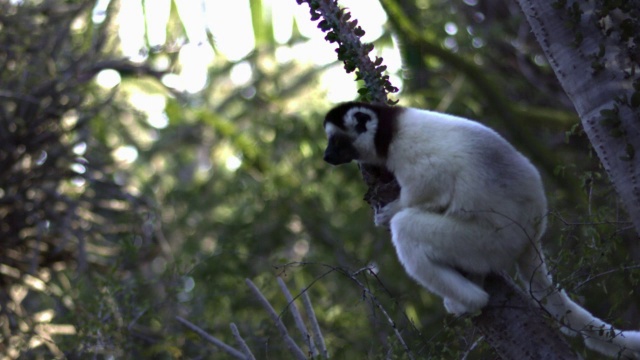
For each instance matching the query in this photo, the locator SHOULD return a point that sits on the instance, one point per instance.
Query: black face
(340, 150)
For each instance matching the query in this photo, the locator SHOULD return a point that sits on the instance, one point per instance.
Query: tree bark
(596, 72)
(516, 327)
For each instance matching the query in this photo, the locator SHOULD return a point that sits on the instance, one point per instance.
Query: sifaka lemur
(469, 203)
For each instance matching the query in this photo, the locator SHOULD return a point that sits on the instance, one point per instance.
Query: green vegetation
(122, 208)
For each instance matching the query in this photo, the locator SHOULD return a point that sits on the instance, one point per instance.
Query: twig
(605, 273)
(366, 290)
(297, 317)
(472, 347)
(226, 348)
(386, 315)
(293, 347)
(243, 345)
(315, 327)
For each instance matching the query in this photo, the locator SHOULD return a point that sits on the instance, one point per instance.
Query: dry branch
(315, 327)
(297, 317)
(243, 345)
(291, 345)
(212, 339)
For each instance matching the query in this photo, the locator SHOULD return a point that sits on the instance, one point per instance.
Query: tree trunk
(592, 61)
(516, 327)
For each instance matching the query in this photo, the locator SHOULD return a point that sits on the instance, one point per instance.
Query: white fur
(350, 120)
(469, 201)
(330, 129)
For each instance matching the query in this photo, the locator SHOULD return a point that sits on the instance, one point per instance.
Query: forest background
(154, 155)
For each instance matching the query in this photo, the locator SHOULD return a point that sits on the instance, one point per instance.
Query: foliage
(233, 187)
(62, 209)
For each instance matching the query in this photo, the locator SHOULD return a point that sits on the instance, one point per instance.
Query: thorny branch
(340, 29)
(355, 55)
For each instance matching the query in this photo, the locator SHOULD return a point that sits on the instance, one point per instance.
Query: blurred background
(154, 154)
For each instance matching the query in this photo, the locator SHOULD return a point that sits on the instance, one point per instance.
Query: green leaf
(262, 26)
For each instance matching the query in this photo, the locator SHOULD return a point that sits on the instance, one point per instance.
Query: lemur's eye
(362, 120)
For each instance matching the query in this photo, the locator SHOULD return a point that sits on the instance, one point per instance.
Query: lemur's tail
(597, 334)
